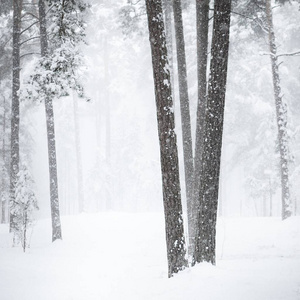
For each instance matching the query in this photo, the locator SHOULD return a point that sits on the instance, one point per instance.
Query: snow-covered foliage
(67, 21)
(55, 75)
(58, 72)
(23, 207)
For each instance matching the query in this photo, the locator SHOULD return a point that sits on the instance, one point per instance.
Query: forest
(149, 149)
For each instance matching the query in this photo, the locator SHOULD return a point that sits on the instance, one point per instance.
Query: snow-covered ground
(123, 256)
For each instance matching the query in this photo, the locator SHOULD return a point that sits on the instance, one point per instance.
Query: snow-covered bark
(15, 106)
(202, 16)
(55, 214)
(205, 241)
(167, 138)
(184, 107)
(281, 117)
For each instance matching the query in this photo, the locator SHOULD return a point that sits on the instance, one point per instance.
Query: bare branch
(31, 53)
(34, 23)
(30, 14)
(131, 2)
(267, 53)
(289, 54)
(32, 38)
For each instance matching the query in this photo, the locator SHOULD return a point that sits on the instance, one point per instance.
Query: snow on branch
(289, 54)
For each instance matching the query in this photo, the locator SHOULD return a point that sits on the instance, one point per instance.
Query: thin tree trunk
(55, 215)
(108, 122)
(3, 199)
(78, 158)
(167, 138)
(270, 197)
(98, 119)
(202, 15)
(184, 108)
(15, 107)
(281, 117)
(205, 242)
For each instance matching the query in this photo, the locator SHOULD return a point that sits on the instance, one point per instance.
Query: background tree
(15, 106)
(23, 207)
(281, 117)
(5, 85)
(167, 138)
(259, 15)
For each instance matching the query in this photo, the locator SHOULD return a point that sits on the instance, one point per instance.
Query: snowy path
(122, 256)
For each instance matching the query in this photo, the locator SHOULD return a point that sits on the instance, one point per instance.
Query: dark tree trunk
(55, 215)
(167, 138)
(184, 107)
(281, 117)
(15, 106)
(205, 242)
(202, 15)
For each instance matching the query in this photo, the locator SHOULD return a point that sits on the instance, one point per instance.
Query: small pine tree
(23, 207)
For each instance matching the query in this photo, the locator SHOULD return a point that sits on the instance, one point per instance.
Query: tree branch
(31, 53)
(289, 54)
(30, 14)
(34, 23)
(32, 38)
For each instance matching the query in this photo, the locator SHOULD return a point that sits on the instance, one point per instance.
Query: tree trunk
(184, 108)
(167, 138)
(202, 15)
(3, 200)
(281, 117)
(55, 215)
(108, 202)
(78, 158)
(205, 244)
(15, 106)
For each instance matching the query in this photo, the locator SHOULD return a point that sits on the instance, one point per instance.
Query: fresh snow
(123, 256)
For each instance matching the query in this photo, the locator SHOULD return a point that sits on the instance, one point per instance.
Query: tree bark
(184, 106)
(167, 138)
(202, 15)
(55, 214)
(281, 117)
(205, 242)
(15, 106)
